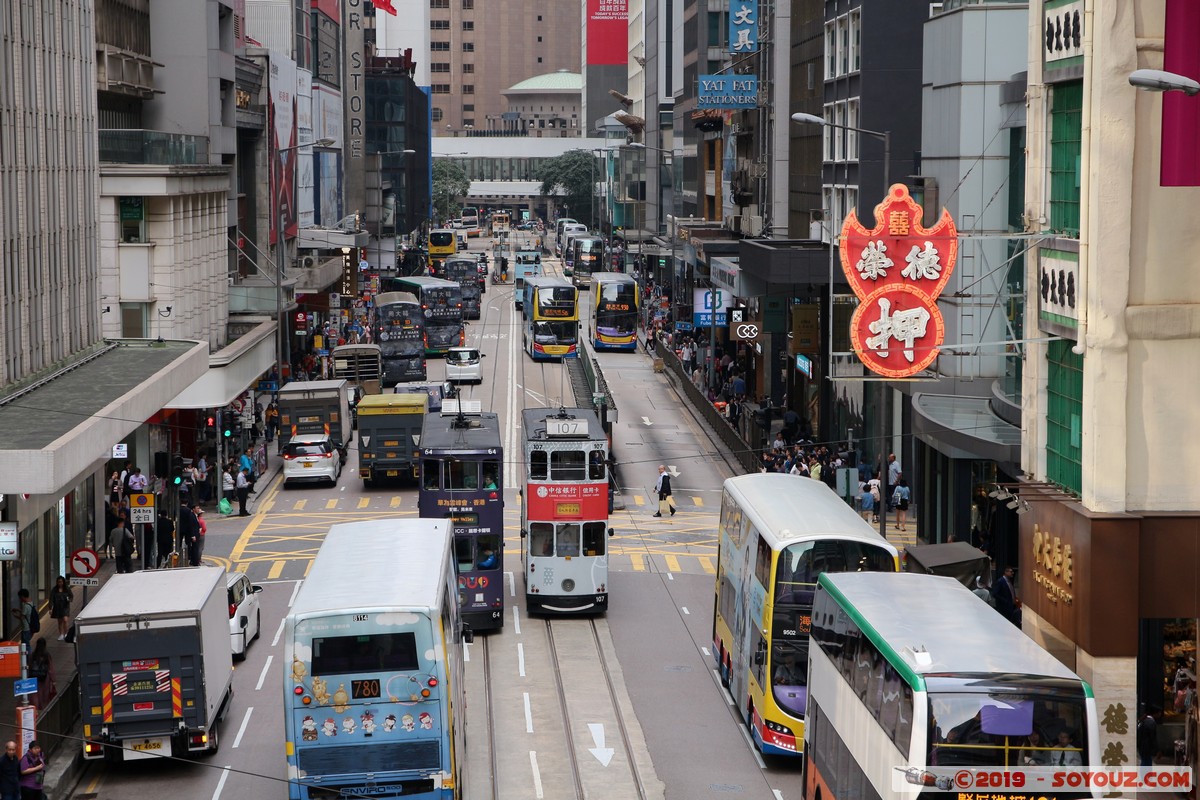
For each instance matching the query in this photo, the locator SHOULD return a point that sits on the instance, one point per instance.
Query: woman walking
(61, 598)
(900, 499)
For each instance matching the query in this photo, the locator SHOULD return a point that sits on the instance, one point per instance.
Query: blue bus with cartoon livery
(373, 698)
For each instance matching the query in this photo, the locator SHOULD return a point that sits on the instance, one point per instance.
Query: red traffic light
(211, 422)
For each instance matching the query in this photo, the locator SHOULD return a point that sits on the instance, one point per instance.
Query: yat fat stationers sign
(743, 26)
(727, 91)
(898, 269)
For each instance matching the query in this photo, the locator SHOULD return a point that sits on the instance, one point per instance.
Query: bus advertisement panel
(441, 305)
(777, 533)
(462, 479)
(551, 327)
(617, 299)
(564, 516)
(465, 272)
(373, 696)
(400, 331)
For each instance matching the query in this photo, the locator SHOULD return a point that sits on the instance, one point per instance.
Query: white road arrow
(603, 754)
(646, 421)
(671, 469)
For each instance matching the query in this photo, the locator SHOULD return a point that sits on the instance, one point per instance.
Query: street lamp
(881, 424)
(1161, 81)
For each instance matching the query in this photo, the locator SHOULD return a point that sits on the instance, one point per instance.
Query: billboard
(304, 158)
(328, 190)
(281, 83)
(705, 302)
(607, 32)
(743, 26)
(727, 91)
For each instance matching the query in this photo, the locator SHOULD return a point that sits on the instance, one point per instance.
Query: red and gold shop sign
(898, 269)
(1053, 566)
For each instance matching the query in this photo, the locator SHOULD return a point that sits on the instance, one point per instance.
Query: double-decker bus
(443, 242)
(777, 533)
(528, 265)
(616, 299)
(400, 331)
(912, 678)
(462, 479)
(551, 312)
(465, 272)
(441, 305)
(501, 223)
(373, 699)
(564, 513)
(470, 220)
(587, 256)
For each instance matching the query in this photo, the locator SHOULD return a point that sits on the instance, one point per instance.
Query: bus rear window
(383, 652)
(567, 465)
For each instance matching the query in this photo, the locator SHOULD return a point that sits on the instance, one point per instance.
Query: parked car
(245, 615)
(464, 364)
(311, 458)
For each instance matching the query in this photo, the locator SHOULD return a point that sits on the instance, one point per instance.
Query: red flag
(385, 5)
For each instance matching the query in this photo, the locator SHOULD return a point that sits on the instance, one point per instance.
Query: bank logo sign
(728, 91)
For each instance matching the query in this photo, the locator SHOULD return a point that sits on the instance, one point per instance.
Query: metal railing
(133, 146)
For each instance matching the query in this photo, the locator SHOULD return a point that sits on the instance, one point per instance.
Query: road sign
(93, 582)
(85, 562)
(335, 300)
(120, 450)
(745, 331)
(24, 686)
(141, 509)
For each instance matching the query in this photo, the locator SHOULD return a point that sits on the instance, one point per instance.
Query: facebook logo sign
(710, 307)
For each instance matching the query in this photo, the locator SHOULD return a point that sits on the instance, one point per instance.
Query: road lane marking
(672, 563)
(639, 562)
(512, 584)
(537, 775)
(639, 500)
(331, 504)
(517, 620)
(363, 502)
(276, 570)
(707, 564)
(299, 505)
(685, 611)
(256, 519)
(294, 593)
(242, 730)
(395, 501)
(698, 501)
(279, 632)
(221, 783)
(521, 659)
(263, 675)
(528, 713)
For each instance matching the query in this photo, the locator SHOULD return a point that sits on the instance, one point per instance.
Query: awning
(231, 370)
(965, 427)
(958, 560)
(328, 239)
(54, 430)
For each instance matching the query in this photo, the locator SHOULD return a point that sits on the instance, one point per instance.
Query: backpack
(35, 622)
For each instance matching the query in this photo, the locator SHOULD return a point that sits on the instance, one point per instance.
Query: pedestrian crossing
(284, 503)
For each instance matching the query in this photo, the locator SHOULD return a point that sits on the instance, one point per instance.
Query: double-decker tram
(400, 331)
(465, 272)
(501, 223)
(373, 700)
(914, 683)
(462, 480)
(614, 322)
(551, 312)
(564, 513)
(777, 533)
(441, 306)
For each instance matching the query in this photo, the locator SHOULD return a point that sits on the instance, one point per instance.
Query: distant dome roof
(561, 81)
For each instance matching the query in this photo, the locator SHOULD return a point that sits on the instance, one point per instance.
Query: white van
(464, 365)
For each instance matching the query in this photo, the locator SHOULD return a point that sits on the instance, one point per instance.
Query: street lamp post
(881, 423)
(670, 165)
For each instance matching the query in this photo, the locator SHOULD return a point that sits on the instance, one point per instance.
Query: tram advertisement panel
(567, 501)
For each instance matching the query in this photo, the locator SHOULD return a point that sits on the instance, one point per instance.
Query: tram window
(430, 476)
(593, 538)
(488, 551)
(463, 553)
(541, 538)
(462, 475)
(491, 474)
(538, 465)
(567, 465)
(568, 539)
(596, 465)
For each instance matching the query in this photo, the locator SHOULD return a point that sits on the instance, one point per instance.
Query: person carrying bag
(663, 487)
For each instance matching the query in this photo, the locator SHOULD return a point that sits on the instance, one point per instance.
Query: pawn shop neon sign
(897, 270)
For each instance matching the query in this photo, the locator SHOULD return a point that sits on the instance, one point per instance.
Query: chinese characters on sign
(897, 270)
(1053, 567)
(743, 26)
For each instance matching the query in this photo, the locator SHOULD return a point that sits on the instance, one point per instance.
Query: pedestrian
(200, 476)
(243, 491)
(112, 516)
(42, 668)
(900, 499)
(189, 530)
(33, 772)
(1147, 736)
(247, 464)
(866, 503)
(271, 416)
(114, 487)
(876, 496)
(25, 612)
(166, 538)
(197, 553)
(228, 484)
(124, 544)
(893, 477)
(1005, 595)
(10, 773)
(61, 598)
(663, 487)
(137, 481)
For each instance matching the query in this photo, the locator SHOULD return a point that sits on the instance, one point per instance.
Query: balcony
(118, 146)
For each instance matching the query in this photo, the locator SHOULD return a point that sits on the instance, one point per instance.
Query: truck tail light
(92, 749)
(197, 740)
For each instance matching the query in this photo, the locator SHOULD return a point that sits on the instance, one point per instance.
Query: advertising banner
(305, 182)
(607, 32)
(281, 83)
(567, 501)
(727, 91)
(743, 26)
(705, 302)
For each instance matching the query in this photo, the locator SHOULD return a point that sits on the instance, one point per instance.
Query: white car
(245, 616)
(311, 458)
(464, 364)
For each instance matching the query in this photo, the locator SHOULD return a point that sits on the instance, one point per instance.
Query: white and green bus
(912, 672)
(777, 534)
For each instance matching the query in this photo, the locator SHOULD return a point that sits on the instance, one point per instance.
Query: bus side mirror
(468, 635)
(759, 658)
(524, 533)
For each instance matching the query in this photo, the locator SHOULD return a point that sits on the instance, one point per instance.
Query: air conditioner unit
(731, 222)
(935, 9)
(308, 262)
(751, 225)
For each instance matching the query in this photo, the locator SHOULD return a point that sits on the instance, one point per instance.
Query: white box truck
(315, 407)
(155, 664)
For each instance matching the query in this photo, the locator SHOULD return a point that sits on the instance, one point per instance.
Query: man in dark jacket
(166, 538)
(189, 531)
(1005, 595)
(10, 773)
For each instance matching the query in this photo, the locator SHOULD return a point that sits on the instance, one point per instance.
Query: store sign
(8, 541)
(1062, 31)
(547, 500)
(804, 365)
(743, 26)
(1053, 566)
(897, 270)
(708, 303)
(806, 329)
(727, 91)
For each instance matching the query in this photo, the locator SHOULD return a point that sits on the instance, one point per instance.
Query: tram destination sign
(566, 427)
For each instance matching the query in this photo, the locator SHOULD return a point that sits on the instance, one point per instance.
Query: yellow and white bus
(777, 534)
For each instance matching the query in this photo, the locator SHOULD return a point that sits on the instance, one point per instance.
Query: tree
(450, 185)
(574, 173)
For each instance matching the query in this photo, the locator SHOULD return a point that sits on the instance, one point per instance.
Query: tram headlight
(568, 585)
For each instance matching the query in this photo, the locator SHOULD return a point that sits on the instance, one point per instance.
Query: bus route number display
(566, 427)
(365, 689)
